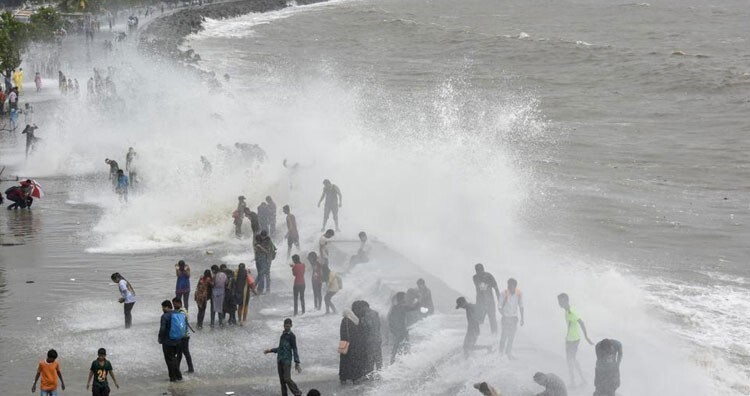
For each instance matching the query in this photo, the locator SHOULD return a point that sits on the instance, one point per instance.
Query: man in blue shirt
(286, 352)
(123, 183)
(170, 347)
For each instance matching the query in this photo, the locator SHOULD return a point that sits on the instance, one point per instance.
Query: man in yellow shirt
(573, 337)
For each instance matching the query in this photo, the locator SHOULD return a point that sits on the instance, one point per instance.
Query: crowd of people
(224, 293)
(510, 301)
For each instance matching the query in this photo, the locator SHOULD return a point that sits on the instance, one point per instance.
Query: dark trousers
(299, 293)
(264, 275)
(17, 203)
(172, 357)
(238, 228)
(99, 391)
(375, 356)
(488, 309)
(185, 351)
(400, 346)
(285, 378)
(128, 316)
(317, 294)
(185, 298)
(329, 304)
(201, 314)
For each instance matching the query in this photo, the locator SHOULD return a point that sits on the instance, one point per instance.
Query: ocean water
(593, 148)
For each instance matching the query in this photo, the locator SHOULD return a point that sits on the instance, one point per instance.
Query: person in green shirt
(100, 369)
(286, 353)
(572, 338)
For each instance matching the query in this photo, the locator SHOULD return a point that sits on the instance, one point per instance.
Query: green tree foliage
(44, 23)
(13, 40)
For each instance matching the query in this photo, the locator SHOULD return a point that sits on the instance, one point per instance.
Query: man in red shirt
(298, 270)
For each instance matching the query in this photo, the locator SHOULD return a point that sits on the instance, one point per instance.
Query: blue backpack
(177, 326)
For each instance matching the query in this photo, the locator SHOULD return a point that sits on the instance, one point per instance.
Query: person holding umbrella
(23, 195)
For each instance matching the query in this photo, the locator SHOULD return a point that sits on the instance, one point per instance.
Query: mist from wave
(433, 178)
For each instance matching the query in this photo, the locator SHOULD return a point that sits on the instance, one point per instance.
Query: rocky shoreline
(164, 36)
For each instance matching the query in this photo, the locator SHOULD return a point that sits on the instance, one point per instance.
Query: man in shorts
(292, 235)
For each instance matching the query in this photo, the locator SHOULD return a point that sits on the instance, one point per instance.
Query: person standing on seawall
(572, 338)
(425, 298)
(265, 253)
(292, 235)
(316, 279)
(323, 242)
(298, 271)
(238, 214)
(171, 343)
(485, 283)
(123, 185)
(203, 295)
(100, 369)
(182, 288)
(472, 327)
(271, 214)
(286, 352)
(185, 341)
(397, 318)
(607, 375)
(217, 295)
(511, 305)
(127, 296)
(334, 199)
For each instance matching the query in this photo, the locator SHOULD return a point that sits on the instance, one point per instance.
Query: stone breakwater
(164, 36)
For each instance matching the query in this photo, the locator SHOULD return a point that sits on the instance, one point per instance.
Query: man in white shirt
(511, 305)
(325, 239)
(127, 296)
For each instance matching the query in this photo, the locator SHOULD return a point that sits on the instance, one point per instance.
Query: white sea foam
(407, 180)
(242, 26)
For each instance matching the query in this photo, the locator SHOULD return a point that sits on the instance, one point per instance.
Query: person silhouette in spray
(485, 283)
(334, 199)
(607, 375)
